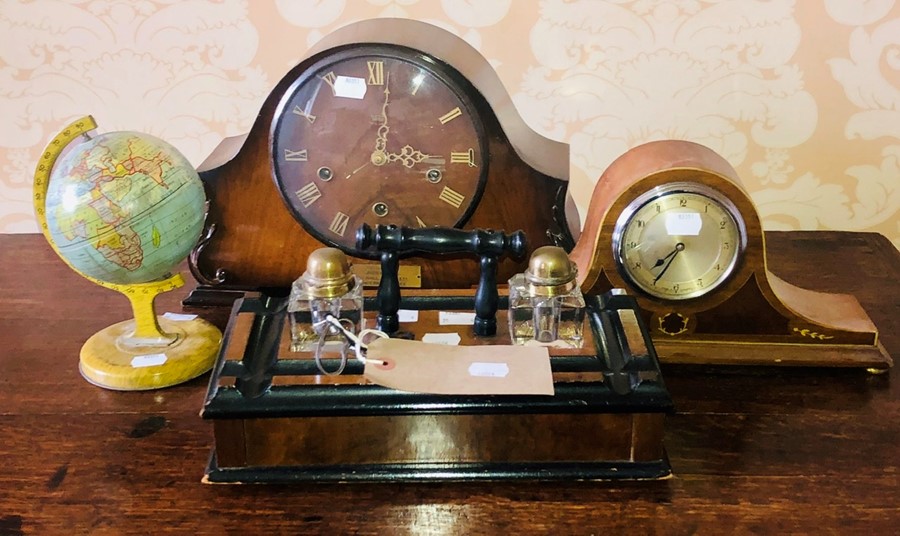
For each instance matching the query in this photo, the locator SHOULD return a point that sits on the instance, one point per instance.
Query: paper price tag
(447, 339)
(430, 368)
(350, 87)
(407, 315)
(489, 370)
(454, 318)
(684, 223)
(148, 360)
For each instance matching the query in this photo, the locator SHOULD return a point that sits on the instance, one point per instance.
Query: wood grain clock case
(367, 131)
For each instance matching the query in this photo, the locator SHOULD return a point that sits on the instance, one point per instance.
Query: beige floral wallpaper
(802, 97)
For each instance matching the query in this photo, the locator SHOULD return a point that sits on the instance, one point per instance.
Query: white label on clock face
(684, 223)
(350, 87)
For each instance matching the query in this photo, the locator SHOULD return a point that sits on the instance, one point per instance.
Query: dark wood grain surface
(753, 450)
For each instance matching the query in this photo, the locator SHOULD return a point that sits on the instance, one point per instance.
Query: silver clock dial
(679, 241)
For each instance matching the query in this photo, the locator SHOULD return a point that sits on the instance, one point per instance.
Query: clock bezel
(627, 215)
(447, 75)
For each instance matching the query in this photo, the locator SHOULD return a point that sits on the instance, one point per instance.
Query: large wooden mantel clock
(670, 222)
(387, 121)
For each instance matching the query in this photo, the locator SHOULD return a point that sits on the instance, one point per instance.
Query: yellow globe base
(113, 359)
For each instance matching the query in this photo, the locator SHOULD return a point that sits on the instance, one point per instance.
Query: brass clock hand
(660, 262)
(379, 157)
(352, 173)
(408, 156)
(679, 247)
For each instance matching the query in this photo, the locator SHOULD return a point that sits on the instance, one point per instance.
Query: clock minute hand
(679, 247)
(379, 157)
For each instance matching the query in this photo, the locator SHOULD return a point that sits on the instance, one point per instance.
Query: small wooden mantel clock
(670, 222)
(415, 131)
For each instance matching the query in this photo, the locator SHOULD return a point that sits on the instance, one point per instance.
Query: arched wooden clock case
(390, 149)
(727, 307)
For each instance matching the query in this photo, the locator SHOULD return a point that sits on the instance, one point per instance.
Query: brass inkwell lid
(327, 273)
(550, 272)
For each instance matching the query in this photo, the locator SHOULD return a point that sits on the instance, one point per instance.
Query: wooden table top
(762, 450)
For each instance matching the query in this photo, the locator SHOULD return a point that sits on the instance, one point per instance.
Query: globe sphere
(124, 207)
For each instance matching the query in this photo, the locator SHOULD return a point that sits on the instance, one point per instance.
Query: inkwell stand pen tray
(277, 419)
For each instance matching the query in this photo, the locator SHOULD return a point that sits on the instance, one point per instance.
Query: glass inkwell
(327, 287)
(545, 302)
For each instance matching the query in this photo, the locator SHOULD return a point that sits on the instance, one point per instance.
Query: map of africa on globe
(124, 207)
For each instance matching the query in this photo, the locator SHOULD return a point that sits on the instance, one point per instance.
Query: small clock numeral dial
(339, 224)
(417, 83)
(395, 128)
(309, 194)
(330, 78)
(451, 197)
(463, 157)
(303, 113)
(295, 156)
(449, 116)
(678, 244)
(376, 73)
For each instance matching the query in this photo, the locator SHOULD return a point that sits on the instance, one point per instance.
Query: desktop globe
(123, 209)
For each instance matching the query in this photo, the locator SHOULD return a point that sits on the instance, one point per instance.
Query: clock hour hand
(408, 156)
(679, 247)
(660, 262)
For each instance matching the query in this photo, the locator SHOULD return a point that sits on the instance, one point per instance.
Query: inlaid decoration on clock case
(670, 222)
(385, 122)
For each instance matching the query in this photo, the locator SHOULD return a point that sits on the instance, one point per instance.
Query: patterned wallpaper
(802, 97)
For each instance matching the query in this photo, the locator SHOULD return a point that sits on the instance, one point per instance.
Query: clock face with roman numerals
(377, 134)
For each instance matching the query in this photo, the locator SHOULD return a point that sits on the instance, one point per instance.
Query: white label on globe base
(179, 317)
(148, 360)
